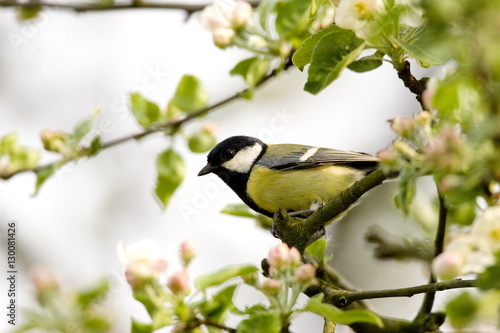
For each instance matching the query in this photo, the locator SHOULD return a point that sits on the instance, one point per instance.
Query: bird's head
(236, 154)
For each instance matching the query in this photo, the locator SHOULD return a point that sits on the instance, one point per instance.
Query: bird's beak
(206, 170)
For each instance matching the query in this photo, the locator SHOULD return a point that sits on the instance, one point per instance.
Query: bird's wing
(295, 157)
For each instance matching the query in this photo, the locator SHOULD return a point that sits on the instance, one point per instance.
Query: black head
(236, 154)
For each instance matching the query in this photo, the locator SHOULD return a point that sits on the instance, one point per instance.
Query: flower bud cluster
(55, 141)
(286, 270)
(233, 23)
(441, 151)
(224, 19)
(145, 264)
(472, 252)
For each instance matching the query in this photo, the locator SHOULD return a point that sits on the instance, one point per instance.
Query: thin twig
(96, 7)
(438, 248)
(171, 125)
(216, 325)
(415, 86)
(343, 298)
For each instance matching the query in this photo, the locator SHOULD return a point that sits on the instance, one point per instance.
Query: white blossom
(223, 37)
(360, 16)
(486, 229)
(214, 17)
(241, 14)
(474, 252)
(226, 14)
(257, 42)
(142, 260)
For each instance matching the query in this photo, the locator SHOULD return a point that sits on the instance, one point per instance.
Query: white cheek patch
(310, 152)
(244, 159)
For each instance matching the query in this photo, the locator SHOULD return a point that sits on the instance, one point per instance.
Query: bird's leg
(314, 207)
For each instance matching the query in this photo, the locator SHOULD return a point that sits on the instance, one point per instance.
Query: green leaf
(426, 50)
(268, 322)
(201, 141)
(95, 146)
(315, 4)
(405, 191)
(217, 308)
(87, 298)
(490, 278)
(365, 64)
(265, 9)
(82, 128)
(142, 297)
(43, 174)
(212, 279)
(253, 70)
(28, 13)
(171, 171)
(293, 20)
(303, 55)
(240, 210)
(317, 249)
(162, 317)
(190, 96)
(146, 112)
(9, 144)
(336, 315)
(460, 311)
(332, 54)
(447, 96)
(138, 327)
(96, 324)
(250, 310)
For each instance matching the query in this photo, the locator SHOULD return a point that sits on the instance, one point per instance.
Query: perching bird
(288, 176)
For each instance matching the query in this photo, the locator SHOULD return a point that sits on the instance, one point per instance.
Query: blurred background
(56, 69)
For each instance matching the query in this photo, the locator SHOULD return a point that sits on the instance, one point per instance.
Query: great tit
(288, 176)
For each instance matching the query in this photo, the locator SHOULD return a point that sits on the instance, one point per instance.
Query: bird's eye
(229, 154)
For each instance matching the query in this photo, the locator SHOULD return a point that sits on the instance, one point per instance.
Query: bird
(294, 177)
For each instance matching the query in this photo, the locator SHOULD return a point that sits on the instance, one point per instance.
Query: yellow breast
(298, 189)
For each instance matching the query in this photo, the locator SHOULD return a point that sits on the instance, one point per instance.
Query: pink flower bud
(305, 274)
(405, 149)
(43, 280)
(279, 256)
(423, 118)
(242, 13)
(445, 150)
(386, 156)
(448, 265)
(179, 282)
(54, 140)
(142, 260)
(209, 127)
(403, 127)
(294, 257)
(187, 251)
(271, 287)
